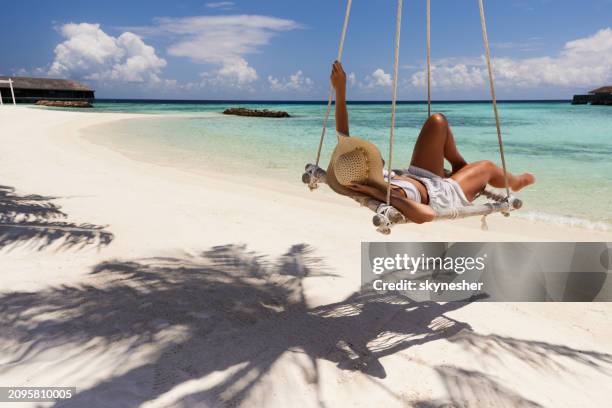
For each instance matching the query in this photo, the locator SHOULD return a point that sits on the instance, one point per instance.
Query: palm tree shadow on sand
(238, 313)
(36, 222)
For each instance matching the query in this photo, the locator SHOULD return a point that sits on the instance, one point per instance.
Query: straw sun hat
(355, 161)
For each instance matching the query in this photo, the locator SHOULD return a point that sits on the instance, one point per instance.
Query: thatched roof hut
(602, 90)
(31, 90)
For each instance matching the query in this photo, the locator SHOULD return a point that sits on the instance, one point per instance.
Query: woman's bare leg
(474, 177)
(451, 153)
(434, 144)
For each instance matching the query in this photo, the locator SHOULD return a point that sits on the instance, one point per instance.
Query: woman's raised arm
(338, 80)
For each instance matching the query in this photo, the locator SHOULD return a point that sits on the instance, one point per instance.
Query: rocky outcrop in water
(263, 113)
(65, 104)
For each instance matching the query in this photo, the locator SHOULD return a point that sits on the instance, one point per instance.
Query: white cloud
(583, 62)
(451, 76)
(221, 5)
(37, 71)
(352, 79)
(237, 74)
(90, 53)
(238, 70)
(378, 79)
(296, 82)
(224, 41)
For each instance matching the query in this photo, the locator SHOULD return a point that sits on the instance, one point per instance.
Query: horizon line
(321, 101)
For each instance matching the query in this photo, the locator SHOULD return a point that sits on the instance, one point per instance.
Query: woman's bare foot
(522, 181)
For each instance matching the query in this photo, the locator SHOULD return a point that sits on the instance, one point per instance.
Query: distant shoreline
(312, 102)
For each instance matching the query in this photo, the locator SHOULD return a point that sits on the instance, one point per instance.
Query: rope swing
(347, 14)
(386, 215)
(428, 58)
(398, 26)
(485, 39)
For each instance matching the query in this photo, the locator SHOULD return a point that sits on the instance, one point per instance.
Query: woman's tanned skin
(435, 144)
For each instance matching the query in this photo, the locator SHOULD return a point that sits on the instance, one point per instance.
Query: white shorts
(443, 192)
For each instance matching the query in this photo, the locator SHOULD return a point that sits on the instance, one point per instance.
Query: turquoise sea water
(568, 148)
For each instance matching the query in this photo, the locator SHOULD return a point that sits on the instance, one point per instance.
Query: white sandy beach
(208, 295)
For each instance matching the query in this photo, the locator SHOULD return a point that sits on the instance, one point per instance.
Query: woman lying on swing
(357, 167)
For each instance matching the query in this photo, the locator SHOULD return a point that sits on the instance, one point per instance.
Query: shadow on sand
(238, 313)
(35, 222)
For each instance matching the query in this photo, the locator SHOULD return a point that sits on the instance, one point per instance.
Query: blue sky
(276, 49)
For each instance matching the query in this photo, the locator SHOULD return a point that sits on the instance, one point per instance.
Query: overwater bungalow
(32, 90)
(599, 96)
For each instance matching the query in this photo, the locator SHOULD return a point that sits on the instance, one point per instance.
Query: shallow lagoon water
(568, 148)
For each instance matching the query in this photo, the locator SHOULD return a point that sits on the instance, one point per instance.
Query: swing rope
(428, 58)
(331, 88)
(394, 96)
(485, 39)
